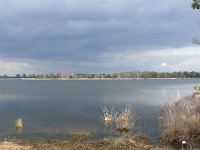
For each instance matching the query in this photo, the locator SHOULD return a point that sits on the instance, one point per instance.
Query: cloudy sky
(44, 36)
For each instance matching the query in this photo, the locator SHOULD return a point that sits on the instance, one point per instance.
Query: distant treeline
(121, 75)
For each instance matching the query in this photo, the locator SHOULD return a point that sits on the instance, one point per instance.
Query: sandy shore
(14, 146)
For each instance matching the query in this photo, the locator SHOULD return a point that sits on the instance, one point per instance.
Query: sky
(93, 36)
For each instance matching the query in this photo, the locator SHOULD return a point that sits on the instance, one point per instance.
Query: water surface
(53, 108)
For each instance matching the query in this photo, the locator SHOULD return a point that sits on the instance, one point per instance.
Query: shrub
(181, 120)
(124, 120)
(197, 88)
(108, 116)
(18, 123)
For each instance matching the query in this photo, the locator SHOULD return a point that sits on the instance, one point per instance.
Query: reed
(108, 116)
(197, 89)
(18, 123)
(79, 136)
(124, 119)
(181, 120)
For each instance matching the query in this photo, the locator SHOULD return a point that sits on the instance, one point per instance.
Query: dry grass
(108, 116)
(181, 120)
(44, 144)
(132, 143)
(79, 136)
(18, 123)
(120, 143)
(14, 146)
(123, 120)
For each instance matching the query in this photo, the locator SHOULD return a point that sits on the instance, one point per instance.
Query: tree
(18, 76)
(196, 4)
(24, 75)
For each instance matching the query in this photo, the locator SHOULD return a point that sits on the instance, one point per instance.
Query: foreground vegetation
(181, 121)
(121, 143)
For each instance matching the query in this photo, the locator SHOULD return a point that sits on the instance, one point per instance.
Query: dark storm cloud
(76, 30)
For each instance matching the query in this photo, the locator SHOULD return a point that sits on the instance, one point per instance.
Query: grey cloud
(76, 30)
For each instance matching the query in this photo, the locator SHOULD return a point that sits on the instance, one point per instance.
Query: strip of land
(132, 143)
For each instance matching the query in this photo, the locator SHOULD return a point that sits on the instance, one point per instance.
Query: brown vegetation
(120, 143)
(124, 120)
(79, 136)
(14, 146)
(181, 120)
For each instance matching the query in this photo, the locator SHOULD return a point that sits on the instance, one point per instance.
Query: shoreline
(95, 79)
(130, 142)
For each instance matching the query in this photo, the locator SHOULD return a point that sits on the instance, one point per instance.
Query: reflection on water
(19, 130)
(54, 108)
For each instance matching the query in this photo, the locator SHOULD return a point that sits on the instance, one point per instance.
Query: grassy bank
(122, 143)
(181, 122)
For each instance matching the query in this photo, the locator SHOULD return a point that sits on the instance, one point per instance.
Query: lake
(54, 108)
